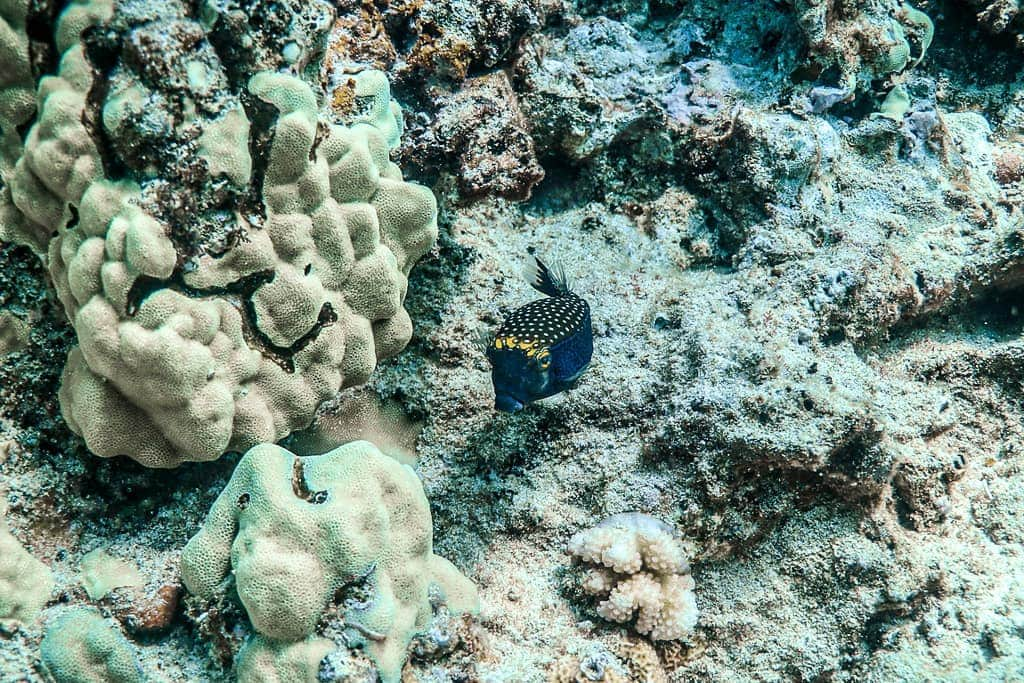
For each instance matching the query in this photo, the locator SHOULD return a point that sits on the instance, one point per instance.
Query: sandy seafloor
(808, 330)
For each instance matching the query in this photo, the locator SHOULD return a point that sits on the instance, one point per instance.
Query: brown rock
(1009, 168)
(151, 613)
(480, 135)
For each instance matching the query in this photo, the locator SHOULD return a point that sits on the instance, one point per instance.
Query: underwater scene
(511, 341)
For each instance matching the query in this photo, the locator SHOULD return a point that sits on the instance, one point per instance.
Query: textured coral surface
(228, 256)
(637, 566)
(293, 532)
(798, 225)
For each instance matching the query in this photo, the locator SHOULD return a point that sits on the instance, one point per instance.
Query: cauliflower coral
(638, 568)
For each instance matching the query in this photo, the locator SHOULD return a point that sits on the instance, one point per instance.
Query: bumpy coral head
(230, 250)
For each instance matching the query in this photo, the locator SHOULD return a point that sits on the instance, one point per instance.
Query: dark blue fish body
(542, 348)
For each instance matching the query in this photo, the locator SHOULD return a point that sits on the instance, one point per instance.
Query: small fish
(543, 347)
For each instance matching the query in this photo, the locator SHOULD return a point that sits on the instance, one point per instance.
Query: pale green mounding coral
(80, 646)
(183, 356)
(295, 531)
(59, 159)
(182, 359)
(175, 378)
(25, 582)
(267, 661)
(17, 86)
(382, 113)
(224, 144)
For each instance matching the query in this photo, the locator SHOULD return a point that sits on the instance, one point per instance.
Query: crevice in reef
(301, 488)
(101, 51)
(262, 119)
(995, 313)
(243, 290)
(964, 49)
(562, 187)
(42, 46)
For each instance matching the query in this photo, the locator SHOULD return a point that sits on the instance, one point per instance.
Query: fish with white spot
(542, 348)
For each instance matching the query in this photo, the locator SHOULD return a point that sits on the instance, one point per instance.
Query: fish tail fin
(550, 281)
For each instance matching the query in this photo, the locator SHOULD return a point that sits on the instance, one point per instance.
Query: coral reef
(294, 532)
(267, 661)
(17, 85)
(797, 224)
(638, 567)
(442, 42)
(462, 136)
(315, 237)
(25, 582)
(82, 647)
(998, 16)
(866, 41)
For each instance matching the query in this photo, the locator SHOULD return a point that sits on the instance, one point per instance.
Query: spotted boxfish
(543, 347)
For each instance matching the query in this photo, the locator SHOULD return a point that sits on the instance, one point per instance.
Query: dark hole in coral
(770, 40)
(834, 336)
(243, 501)
(904, 513)
(817, 72)
(102, 48)
(23, 131)
(39, 22)
(262, 117)
(878, 627)
(143, 286)
(73, 221)
(999, 314)
(562, 188)
(864, 103)
(662, 323)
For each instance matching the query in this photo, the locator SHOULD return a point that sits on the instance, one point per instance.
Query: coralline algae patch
(797, 228)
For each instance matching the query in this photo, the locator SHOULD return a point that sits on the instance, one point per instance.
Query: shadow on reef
(30, 378)
(963, 50)
(495, 465)
(124, 497)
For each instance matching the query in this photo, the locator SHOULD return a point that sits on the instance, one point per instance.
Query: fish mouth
(507, 404)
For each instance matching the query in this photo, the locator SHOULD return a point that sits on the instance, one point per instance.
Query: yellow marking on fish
(498, 343)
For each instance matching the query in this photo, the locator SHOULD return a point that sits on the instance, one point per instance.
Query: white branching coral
(639, 569)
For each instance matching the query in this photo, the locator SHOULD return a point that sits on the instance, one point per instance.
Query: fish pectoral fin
(483, 340)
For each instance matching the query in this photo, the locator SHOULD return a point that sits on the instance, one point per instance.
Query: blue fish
(543, 347)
